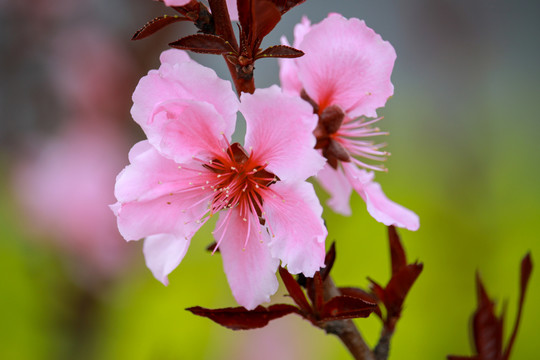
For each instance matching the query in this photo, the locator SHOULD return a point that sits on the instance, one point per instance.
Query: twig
(224, 28)
(345, 329)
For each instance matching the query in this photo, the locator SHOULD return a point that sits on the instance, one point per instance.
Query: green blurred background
(464, 129)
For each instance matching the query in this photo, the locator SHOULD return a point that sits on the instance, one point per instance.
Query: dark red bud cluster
(256, 17)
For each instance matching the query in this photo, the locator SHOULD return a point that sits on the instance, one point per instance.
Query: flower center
(341, 138)
(240, 181)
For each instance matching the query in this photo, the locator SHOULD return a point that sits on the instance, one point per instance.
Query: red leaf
(191, 7)
(358, 293)
(279, 51)
(204, 44)
(295, 291)
(526, 269)
(329, 260)
(157, 24)
(285, 5)
(319, 291)
(487, 328)
(346, 307)
(397, 253)
(265, 17)
(245, 14)
(398, 287)
(378, 290)
(241, 319)
(361, 294)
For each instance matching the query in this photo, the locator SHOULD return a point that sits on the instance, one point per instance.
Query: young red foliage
(403, 277)
(203, 44)
(488, 328)
(241, 319)
(157, 24)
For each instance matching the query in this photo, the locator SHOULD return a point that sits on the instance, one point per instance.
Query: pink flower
(345, 75)
(64, 188)
(188, 171)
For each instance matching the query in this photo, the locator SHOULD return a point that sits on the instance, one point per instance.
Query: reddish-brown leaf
(526, 269)
(487, 328)
(398, 287)
(241, 319)
(191, 7)
(265, 17)
(319, 292)
(279, 51)
(346, 307)
(329, 260)
(245, 14)
(378, 290)
(361, 294)
(157, 24)
(358, 293)
(397, 253)
(295, 291)
(285, 5)
(204, 44)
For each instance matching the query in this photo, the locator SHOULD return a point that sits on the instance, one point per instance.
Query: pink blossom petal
(163, 253)
(175, 214)
(176, 2)
(250, 269)
(358, 78)
(153, 198)
(337, 185)
(233, 10)
(172, 57)
(150, 175)
(379, 206)
(300, 31)
(183, 129)
(288, 68)
(288, 73)
(294, 217)
(279, 128)
(180, 78)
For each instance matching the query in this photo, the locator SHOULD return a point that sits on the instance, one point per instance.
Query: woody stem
(224, 29)
(345, 329)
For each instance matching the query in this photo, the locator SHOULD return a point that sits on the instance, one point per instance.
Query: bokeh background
(464, 138)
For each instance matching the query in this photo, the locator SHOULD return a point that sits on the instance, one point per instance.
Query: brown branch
(382, 350)
(345, 329)
(224, 29)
